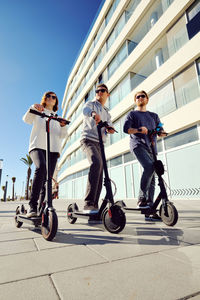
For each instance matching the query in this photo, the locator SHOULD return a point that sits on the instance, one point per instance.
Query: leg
(94, 183)
(147, 183)
(38, 157)
(53, 161)
(99, 188)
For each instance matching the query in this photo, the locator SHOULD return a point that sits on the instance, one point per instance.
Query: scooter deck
(82, 214)
(146, 210)
(32, 221)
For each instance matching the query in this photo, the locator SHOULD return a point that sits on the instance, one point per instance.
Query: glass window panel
(122, 54)
(110, 40)
(116, 161)
(136, 179)
(116, 136)
(131, 8)
(193, 10)
(177, 36)
(129, 157)
(114, 98)
(159, 146)
(120, 25)
(186, 86)
(117, 175)
(162, 101)
(186, 136)
(125, 87)
(112, 67)
(129, 182)
(183, 183)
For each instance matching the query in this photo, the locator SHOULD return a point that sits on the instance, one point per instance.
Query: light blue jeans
(147, 183)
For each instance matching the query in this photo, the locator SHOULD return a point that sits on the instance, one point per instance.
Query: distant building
(152, 45)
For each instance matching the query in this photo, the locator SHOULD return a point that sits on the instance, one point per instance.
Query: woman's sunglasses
(51, 96)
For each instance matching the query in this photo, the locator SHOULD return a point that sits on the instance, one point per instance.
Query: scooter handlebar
(43, 115)
(102, 124)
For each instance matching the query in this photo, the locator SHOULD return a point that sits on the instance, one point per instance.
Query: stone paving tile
(188, 255)
(39, 288)
(33, 264)
(19, 235)
(153, 276)
(15, 247)
(187, 235)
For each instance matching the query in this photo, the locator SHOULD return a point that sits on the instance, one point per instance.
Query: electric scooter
(47, 216)
(167, 210)
(112, 215)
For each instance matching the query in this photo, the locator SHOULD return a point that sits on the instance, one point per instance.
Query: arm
(28, 117)
(129, 127)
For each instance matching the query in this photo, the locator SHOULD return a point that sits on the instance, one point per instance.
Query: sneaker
(90, 209)
(142, 203)
(32, 213)
(147, 218)
(156, 217)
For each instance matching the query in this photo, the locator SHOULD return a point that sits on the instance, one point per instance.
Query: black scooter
(111, 214)
(47, 216)
(167, 210)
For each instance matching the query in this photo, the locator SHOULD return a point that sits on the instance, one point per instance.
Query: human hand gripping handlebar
(102, 124)
(157, 131)
(43, 115)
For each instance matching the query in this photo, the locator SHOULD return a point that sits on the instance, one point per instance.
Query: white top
(38, 133)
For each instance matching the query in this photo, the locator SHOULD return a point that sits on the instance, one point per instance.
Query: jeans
(147, 183)
(38, 156)
(95, 175)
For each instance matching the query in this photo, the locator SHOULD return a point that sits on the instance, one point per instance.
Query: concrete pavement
(147, 260)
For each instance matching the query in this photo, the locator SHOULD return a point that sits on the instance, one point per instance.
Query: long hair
(44, 97)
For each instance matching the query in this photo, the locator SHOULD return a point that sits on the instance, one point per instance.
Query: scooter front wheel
(18, 224)
(49, 225)
(71, 208)
(114, 219)
(169, 217)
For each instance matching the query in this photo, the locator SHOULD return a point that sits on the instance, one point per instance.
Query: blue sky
(39, 42)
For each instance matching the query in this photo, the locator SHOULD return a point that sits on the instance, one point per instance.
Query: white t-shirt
(38, 133)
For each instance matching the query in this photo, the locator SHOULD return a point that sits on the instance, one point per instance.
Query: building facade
(151, 45)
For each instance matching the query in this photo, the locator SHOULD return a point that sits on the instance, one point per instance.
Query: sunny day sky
(39, 43)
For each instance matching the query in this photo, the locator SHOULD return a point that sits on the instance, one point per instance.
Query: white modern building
(151, 45)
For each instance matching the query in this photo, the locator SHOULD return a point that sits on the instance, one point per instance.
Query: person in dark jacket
(137, 124)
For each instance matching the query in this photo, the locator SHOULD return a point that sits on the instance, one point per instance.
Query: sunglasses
(101, 90)
(142, 96)
(51, 96)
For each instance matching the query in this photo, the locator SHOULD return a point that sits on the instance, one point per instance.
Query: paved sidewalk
(147, 260)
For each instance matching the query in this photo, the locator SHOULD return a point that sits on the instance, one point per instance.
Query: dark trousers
(95, 175)
(147, 183)
(38, 192)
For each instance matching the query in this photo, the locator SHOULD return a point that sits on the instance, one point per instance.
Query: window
(131, 8)
(163, 100)
(184, 137)
(121, 91)
(117, 60)
(193, 10)
(177, 36)
(186, 86)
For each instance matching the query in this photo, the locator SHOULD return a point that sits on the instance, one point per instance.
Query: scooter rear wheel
(49, 225)
(70, 210)
(114, 219)
(17, 223)
(172, 217)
